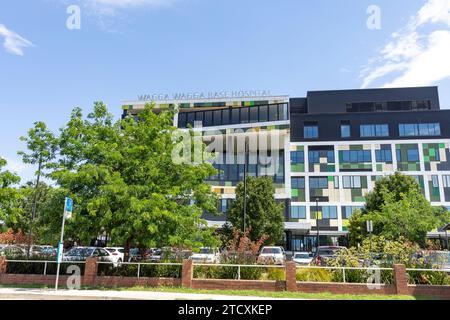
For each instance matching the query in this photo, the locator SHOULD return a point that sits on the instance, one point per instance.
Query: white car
(117, 253)
(272, 255)
(206, 255)
(302, 258)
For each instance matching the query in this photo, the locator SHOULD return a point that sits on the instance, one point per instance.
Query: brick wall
(90, 278)
(212, 284)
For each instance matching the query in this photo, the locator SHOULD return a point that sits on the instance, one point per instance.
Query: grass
(252, 293)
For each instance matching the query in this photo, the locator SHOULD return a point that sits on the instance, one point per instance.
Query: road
(49, 294)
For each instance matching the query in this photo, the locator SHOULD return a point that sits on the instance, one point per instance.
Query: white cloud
(13, 43)
(416, 55)
(110, 7)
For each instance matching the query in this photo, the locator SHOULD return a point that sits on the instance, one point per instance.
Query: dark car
(324, 254)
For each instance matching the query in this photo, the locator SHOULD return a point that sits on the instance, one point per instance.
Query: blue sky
(129, 47)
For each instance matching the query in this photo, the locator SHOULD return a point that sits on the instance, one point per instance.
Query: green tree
(397, 208)
(9, 195)
(124, 181)
(263, 215)
(42, 146)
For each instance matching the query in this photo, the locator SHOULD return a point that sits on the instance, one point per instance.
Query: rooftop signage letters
(239, 94)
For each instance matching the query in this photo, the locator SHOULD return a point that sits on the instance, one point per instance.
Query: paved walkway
(48, 294)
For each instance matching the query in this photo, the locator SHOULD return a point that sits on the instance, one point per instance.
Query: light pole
(317, 224)
(245, 182)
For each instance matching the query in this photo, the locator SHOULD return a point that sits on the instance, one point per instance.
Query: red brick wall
(238, 285)
(187, 273)
(344, 288)
(401, 279)
(32, 279)
(442, 292)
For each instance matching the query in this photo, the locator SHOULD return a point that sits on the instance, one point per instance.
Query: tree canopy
(264, 216)
(397, 208)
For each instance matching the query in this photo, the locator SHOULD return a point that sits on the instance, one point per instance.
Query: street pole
(60, 248)
(317, 223)
(245, 182)
(68, 207)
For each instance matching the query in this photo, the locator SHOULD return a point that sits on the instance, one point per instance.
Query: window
(446, 181)
(235, 116)
(182, 120)
(318, 183)
(422, 129)
(297, 157)
(413, 155)
(253, 114)
(356, 156)
(435, 181)
(244, 115)
(329, 212)
(263, 113)
(314, 157)
(298, 212)
(384, 155)
(350, 182)
(348, 211)
(273, 113)
(345, 131)
(376, 130)
(217, 117)
(311, 132)
(298, 183)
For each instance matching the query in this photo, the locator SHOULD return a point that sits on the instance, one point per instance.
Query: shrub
(313, 275)
(436, 278)
(276, 274)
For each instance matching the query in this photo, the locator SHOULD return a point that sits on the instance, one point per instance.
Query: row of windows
(420, 129)
(328, 212)
(311, 131)
(356, 156)
(389, 106)
(230, 116)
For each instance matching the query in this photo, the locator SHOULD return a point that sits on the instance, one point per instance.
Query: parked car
(82, 253)
(302, 258)
(206, 255)
(13, 252)
(272, 255)
(325, 253)
(118, 253)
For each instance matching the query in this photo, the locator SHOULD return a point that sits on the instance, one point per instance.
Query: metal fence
(44, 267)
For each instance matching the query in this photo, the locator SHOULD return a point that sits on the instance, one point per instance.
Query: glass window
(190, 119)
(330, 156)
(235, 116)
(273, 113)
(318, 183)
(298, 183)
(351, 182)
(263, 113)
(225, 117)
(311, 132)
(435, 181)
(244, 115)
(182, 120)
(298, 212)
(314, 157)
(378, 130)
(413, 155)
(283, 113)
(356, 156)
(297, 157)
(208, 119)
(329, 212)
(446, 181)
(345, 131)
(253, 114)
(422, 129)
(217, 117)
(384, 155)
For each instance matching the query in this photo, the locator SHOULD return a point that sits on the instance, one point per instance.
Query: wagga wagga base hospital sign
(205, 95)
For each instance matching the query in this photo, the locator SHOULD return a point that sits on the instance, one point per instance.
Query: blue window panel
(298, 212)
(311, 132)
(345, 131)
(413, 155)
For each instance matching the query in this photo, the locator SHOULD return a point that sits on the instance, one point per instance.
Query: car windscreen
(80, 252)
(301, 256)
(271, 251)
(205, 251)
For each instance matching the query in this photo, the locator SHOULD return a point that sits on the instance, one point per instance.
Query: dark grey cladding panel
(329, 124)
(335, 101)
